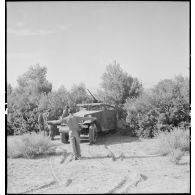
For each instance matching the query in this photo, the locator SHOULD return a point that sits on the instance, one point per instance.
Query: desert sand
(116, 164)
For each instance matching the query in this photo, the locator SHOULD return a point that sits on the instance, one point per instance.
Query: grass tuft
(174, 143)
(29, 146)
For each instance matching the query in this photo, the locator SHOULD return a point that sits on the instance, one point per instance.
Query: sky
(77, 40)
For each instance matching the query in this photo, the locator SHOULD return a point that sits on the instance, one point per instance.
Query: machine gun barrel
(94, 99)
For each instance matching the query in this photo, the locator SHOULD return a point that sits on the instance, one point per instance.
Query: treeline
(162, 108)
(146, 111)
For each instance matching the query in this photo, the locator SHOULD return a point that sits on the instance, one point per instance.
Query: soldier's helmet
(40, 109)
(70, 110)
(67, 107)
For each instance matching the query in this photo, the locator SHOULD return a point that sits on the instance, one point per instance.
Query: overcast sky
(76, 40)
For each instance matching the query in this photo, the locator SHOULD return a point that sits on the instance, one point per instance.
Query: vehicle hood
(83, 113)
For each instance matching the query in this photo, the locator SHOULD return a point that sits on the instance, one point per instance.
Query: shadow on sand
(116, 138)
(119, 157)
(106, 138)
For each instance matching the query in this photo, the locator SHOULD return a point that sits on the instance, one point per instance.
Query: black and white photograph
(98, 97)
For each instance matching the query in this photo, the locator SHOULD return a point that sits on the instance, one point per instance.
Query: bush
(10, 130)
(123, 128)
(22, 117)
(164, 107)
(29, 146)
(142, 116)
(175, 155)
(174, 143)
(27, 100)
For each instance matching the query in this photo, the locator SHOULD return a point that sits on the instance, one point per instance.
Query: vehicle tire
(64, 138)
(113, 131)
(93, 134)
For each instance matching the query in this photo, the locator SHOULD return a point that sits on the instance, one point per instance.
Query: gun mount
(94, 99)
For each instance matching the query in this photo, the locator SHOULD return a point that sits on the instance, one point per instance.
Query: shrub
(164, 107)
(176, 155)
(123, 128)
(22, 117)
(142, 116)
(10, 130)
(29, 146)
(26, 101)
(174, 143)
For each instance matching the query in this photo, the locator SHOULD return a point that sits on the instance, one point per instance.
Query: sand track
(116, 164)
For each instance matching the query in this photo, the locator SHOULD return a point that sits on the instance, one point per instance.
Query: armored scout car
(106, 120)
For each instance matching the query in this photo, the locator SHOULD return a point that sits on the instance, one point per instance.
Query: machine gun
(94, 99)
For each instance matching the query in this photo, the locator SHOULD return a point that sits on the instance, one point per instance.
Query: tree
(164, 107)
(173, 100)
(9, 89)
(78, 94)
(34, 80)
(24, 100)
(117, 85)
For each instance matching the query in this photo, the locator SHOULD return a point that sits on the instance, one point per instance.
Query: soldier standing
(46, 129)
(41, 121)
(73, 124)
(51, 128)
(65, 112)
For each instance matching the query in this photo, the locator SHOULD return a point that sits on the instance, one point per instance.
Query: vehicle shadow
(107, 138)
(116, 138)
(184, 163)
(84, 141)
(46, 156)
(114, 158)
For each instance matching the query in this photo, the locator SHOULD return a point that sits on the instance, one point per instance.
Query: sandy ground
(138, 170)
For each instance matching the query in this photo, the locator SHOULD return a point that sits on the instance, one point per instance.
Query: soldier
(65, 112)
(51, 128)
(46, 129)
(73, 124)
(41, 121)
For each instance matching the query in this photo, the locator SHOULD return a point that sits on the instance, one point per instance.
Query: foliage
(176, 155)
(174, 143)
(141, 115)
(22, 112)
(29, 146)
(79, 95)
(162, 108)
(117, 85)
(57, 100)
(9, 89)
(34, 94)
(34, 80)
(23, 101)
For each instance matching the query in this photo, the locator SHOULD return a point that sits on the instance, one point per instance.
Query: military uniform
(51, 128)
(46, 129)
(65, 112)
(41, 122)
(73, 124)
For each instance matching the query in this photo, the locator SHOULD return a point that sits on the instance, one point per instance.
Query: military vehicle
(106, 120)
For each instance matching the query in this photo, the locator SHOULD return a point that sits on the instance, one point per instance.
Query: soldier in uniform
(51, 128)
(65, 112)
(46, 129)
(41, 122)
(73, 124)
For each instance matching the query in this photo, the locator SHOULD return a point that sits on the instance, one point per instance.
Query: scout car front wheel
(93, 134)
(64, 138)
